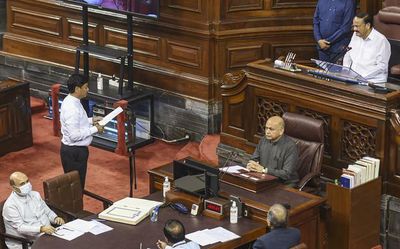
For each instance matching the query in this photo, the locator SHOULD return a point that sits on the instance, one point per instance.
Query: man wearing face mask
(25, 213)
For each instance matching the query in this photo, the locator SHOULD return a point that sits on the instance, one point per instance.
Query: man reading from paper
(25, 213)
(370, 51)
(276, 153)
(174, 233)
(76, 128)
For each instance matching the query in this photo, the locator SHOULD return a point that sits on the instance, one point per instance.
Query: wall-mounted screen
(148, 8)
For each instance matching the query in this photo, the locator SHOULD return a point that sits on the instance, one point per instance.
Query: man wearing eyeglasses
(276, 153)
(25, 213)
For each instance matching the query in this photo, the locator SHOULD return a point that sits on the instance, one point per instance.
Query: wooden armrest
(25, 242)
(106, 202)
(306, 179)
(71, 216)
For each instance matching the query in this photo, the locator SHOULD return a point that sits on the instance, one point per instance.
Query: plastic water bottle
(166, 186)
(99, 82)
(234, 213)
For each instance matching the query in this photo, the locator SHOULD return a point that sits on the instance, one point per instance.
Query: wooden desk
(126, 236)
(356, 120)
(304, 213)
(15, 116)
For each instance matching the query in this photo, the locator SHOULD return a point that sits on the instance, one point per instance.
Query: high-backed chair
(3, 235)
(308, 134)
(64, 193)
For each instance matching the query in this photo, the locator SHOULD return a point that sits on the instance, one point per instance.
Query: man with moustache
(370, 51)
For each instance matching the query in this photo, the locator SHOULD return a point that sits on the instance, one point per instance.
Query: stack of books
(363, 170)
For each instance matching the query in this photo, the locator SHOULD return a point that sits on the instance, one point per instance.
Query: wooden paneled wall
(187, 51)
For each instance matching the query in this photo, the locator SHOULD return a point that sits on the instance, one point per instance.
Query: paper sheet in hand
(110, 116)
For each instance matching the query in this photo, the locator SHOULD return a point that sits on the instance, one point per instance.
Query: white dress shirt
(24, 215)
(369, 57)
(76, 127)
(184, 245)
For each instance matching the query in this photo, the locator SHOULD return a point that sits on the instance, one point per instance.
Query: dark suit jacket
(278, 238)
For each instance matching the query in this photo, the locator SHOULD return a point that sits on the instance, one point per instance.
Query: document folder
(129, 210)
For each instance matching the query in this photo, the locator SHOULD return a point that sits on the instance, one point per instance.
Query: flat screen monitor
(196, 178)
(145, 8)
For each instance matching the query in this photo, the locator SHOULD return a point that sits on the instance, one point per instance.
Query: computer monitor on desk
(196, 178)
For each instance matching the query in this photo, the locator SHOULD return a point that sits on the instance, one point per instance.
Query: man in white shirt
(25, 213)
(76, 128)
(370, 50)
(174, 232)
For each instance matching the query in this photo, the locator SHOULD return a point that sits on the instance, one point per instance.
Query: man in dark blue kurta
(332, 27)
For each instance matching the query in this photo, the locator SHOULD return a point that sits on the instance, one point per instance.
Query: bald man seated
(280, 236)
(25, 213)
(276, 154)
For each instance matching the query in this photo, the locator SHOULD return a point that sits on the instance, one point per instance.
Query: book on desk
(129, 210)
(243, 178)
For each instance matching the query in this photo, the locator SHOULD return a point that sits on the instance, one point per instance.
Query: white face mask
(25, 189)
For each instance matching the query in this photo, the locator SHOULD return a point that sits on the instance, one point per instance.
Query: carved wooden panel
(357, 141)
(147, 45)
(293, 3)
(114, 37)
(36, 21)
(188, 5)
(236, 116)
(74, 31)
(238, 57)
(266, 109)
(5, 127)
(327, 124)
(181, 53)
(243, 5)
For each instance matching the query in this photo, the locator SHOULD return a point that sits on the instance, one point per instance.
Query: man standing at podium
(370, 51)
(332, 27)
(276, 153)
(76, 128)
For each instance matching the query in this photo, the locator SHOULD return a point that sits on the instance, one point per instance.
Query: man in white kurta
(370, 51)
(25, 213)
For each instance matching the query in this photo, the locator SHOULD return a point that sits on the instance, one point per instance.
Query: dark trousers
(75, 158)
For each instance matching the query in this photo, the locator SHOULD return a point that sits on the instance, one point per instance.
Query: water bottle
(166, 186)
(99, 82)
(154, 214)
(234, 213)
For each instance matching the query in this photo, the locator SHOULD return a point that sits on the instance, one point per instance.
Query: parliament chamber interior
(183, 73)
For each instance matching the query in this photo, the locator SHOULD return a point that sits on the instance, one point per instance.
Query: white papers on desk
(233, 169)
(78, 227)
(110, 116)
(211, 236)
(99, 228)
(66, 233)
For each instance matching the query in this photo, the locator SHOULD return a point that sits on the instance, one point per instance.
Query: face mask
(25, 189)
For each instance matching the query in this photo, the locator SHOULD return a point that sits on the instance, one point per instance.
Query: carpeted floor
(108, 173)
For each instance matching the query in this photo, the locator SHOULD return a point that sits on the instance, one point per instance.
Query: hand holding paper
(110, 116)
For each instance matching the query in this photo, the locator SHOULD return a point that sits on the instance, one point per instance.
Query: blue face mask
(25, 189)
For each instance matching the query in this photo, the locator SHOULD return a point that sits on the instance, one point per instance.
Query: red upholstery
(309, 136)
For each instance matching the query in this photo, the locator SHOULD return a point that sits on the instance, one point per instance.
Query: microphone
(232, 154)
